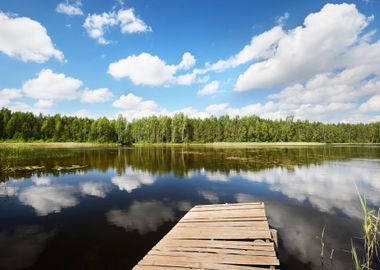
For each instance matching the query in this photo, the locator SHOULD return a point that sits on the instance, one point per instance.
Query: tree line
(26, 126)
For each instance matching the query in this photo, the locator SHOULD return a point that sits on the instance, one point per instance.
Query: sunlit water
(112, 209)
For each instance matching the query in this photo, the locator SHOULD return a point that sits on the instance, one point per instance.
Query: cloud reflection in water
(144, 216)
(48, 199)
(21, 247)
(132, 179)
(329, 187)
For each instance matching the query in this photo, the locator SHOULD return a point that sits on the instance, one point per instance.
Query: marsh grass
(371, 234)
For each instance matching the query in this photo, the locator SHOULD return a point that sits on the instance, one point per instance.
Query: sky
(316, 60)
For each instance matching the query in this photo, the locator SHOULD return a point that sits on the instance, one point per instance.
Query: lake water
(115, 204)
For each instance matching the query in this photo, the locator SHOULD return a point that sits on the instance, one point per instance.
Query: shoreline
(147, 144)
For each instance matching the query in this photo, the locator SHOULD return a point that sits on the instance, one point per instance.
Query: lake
(105, 208)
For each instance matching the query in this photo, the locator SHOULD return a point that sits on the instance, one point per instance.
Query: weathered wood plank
(162, 249)
(218, 233)
(223, 219)
(227, 208)
(250, 224)
(216, 237)
(227, 205)
(206, 266)
(226, 214)
(246, 245)
(199, 258)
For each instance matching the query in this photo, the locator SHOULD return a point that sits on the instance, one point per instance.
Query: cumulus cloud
(371, 105)
(283, 18)
(15, 40)
(129, 23)
(327, 68)
(209, 89)
(217, 108)
(53, 86)
(7, 94)
(307, 50)
(43, 103)
(70, 9)
(144, 216)
(82, 113)
(188, 61)
(100, 95)
(97, 25)
(142, 69)
(48, 199)
(133, 102)
(47, 88)
(24, 107)
(262, 46)
(147, 69)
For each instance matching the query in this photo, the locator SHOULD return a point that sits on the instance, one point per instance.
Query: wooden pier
(219, 236)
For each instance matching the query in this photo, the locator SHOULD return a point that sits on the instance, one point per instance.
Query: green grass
(54, 145)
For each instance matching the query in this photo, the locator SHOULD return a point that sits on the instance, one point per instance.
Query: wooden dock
(219, 236)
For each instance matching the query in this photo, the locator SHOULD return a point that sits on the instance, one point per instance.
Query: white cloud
(129, 23)
(209, 89)
(48, 199)
(142, 69)
(329, 66)
(82, 113)
(132, 102)
(70, 9)
(100, 95)
(43, 103)
(283, 18)
(261, 46)
(188, 61)
(24, 107)
(7, 94)
(15, 40)
(371, 105)
(147, 69)
(97, 25)
(307, 50)
(52, 86)
(94, 189)
(217, 108)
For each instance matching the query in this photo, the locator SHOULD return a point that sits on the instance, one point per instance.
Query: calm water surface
(115, 204)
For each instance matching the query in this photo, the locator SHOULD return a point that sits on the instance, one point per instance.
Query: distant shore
(147, 144)
(250, 144)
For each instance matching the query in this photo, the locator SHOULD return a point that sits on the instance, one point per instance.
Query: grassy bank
(54, 145)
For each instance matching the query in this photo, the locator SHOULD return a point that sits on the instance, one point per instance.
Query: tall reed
(371, 234)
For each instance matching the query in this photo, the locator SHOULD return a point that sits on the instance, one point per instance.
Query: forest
(27, 127)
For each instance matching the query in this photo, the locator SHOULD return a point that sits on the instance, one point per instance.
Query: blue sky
(316, 60)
